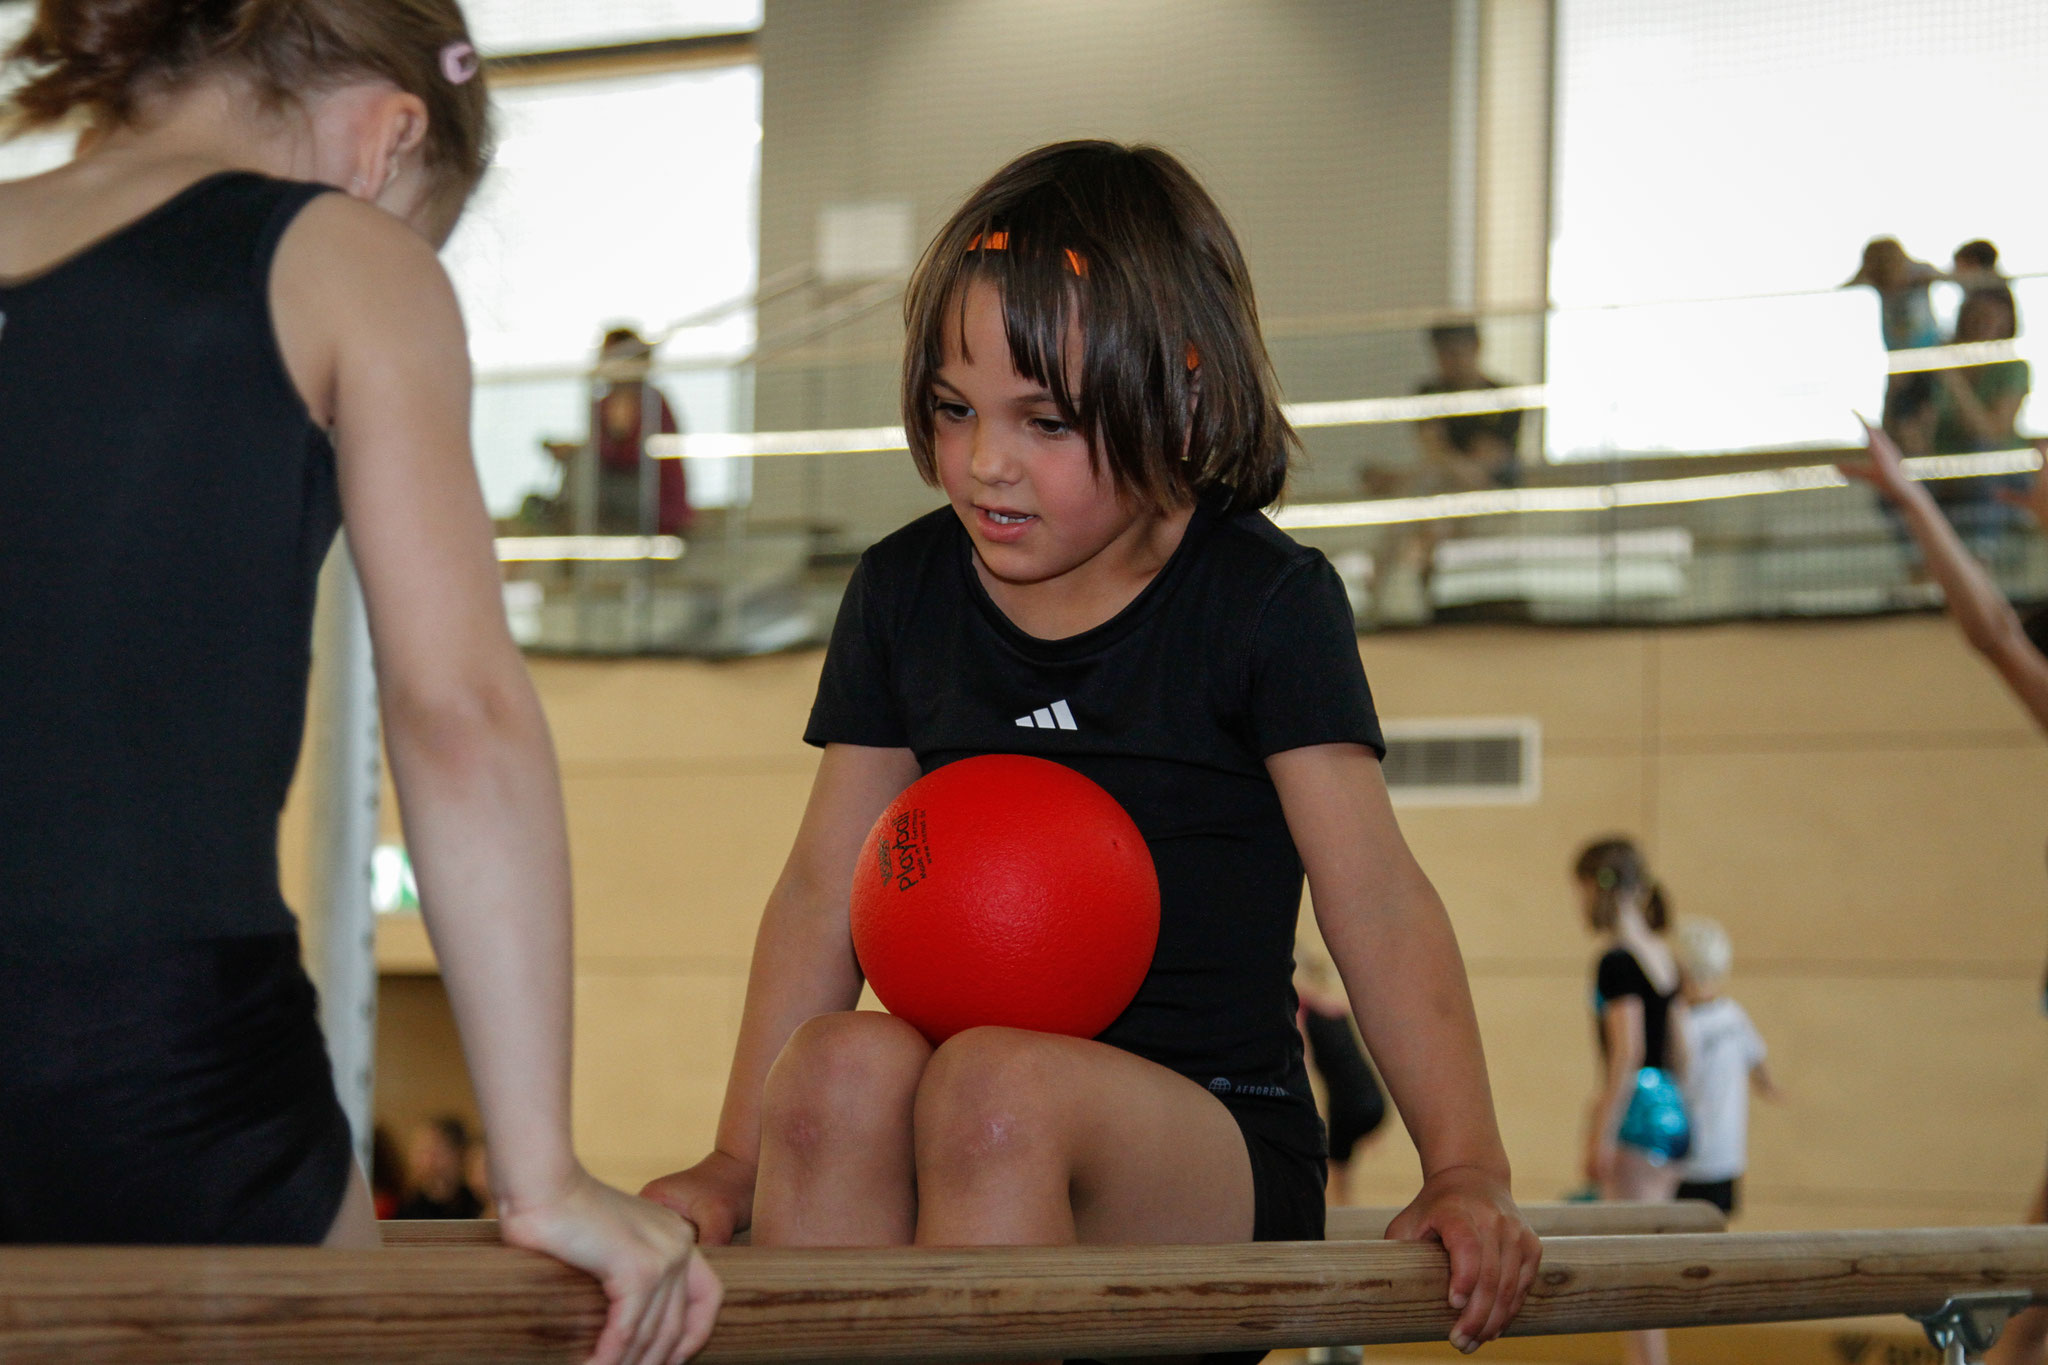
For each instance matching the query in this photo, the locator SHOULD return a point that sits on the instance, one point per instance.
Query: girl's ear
(386, 127)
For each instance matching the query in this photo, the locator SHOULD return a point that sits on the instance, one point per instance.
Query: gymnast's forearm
(1987, 620)
(1414, 1006)
(481, 799)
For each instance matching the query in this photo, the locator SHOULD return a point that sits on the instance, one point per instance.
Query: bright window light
(631, 201)
(1750, 147)
(554, 25)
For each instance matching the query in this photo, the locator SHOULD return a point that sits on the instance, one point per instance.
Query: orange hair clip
(999, 240)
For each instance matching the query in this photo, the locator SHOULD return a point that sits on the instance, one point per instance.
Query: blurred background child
(1724, 1058)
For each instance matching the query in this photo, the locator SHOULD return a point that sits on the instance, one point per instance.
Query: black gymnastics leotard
(165, 505)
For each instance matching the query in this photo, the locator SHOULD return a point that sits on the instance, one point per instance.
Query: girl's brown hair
(1616, 868)
(1123, 246)
(103, 57)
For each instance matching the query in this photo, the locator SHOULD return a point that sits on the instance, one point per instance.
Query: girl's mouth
(1002, 526)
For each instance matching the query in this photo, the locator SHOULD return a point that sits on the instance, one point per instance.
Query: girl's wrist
(1493, 1167)
(538, 1184)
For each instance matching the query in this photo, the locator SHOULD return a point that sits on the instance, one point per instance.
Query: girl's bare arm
(1392, 943)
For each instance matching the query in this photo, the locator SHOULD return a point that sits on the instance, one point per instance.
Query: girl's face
(1022, 481)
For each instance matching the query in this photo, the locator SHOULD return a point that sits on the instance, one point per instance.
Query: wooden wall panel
(1893, 681)
(651, 1056)
(677, 864)
(1862, 855)
(1587, 687)
(1876, 851)
(1504, 871)
(651, 712)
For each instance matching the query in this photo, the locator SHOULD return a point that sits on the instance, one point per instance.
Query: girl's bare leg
(1027, 1138)
(836, 1137)
(1634, 1177)
(1035, 1139)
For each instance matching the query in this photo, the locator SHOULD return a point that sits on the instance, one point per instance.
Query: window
(627, 200)
(1745, 150)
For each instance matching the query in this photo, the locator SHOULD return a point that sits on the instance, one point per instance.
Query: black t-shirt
(1618, 975)
(1241, 647)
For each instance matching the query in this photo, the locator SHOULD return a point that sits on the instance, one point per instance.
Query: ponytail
(1656, 910)
(103, 57)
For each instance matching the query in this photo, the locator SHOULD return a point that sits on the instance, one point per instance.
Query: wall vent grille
(1464, 762)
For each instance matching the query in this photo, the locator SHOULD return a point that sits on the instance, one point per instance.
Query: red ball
(1005, 890)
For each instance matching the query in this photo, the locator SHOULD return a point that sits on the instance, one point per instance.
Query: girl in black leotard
(1635, 1128)
(207, 361)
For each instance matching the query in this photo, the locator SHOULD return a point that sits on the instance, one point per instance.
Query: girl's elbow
(459, 725)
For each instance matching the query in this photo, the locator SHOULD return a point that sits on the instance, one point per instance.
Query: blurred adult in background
(1976, 405)
(1637, 1132)
(436, 1157)
(387, 1173)
(1975, 409)
(1472, 450)
(1906, 316)
(1975, 266)
(632, 493)
(476, 1174)
(1906, 309)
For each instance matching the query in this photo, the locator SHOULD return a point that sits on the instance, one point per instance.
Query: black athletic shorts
(168, 1093)
(1722, 1194)
(1287, 1204)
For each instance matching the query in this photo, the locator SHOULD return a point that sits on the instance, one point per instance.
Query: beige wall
(1858, 803)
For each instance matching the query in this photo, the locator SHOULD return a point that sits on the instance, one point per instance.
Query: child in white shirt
(1726, 1058)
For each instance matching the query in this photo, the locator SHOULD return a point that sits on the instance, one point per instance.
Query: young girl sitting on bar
(1085, 380)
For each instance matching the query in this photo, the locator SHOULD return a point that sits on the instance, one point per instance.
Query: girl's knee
(843, 1075)
(989, 1095)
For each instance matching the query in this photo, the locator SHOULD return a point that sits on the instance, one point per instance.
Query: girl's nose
(989, 460)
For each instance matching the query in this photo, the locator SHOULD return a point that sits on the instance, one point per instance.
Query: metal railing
(794, 463)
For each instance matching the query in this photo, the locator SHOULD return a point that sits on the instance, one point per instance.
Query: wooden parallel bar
(1573, 1219)
(435, 1306)
(1345, 1225)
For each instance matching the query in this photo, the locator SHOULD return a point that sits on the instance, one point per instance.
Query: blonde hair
(1703, 951)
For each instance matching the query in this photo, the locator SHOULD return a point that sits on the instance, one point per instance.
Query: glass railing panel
(1698, 485)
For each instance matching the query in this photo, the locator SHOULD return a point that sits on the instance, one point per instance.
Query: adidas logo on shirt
(1054, 717)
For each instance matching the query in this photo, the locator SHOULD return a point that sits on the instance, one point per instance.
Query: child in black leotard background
(1635, 1127)
(208, 361)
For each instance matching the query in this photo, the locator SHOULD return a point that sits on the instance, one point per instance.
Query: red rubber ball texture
(1005, 890)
